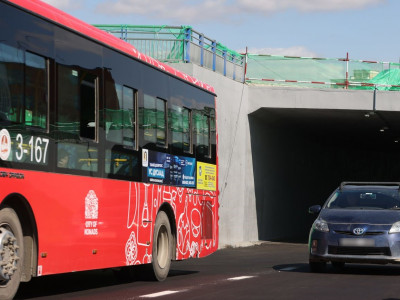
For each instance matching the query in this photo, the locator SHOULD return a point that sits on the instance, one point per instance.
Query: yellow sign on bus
(206, 176)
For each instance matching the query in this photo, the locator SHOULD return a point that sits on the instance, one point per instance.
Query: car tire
(317, 267)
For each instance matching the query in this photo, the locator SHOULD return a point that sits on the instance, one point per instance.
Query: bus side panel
(88, 223)
(197, 224)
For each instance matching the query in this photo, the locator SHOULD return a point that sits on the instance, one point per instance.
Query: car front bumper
(371, 259)
(381, 249)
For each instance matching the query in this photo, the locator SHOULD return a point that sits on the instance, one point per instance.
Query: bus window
(114, 112)
(122, 164)
(77, 156)
(180, 129)
(11, 84)
(76, 112)
(76, 103)
(154, 121)
(201, 132)
(121, 115)
(23, 74)
(129, 117)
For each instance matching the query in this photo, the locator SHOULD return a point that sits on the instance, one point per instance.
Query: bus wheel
(162, 238)
(11, 253)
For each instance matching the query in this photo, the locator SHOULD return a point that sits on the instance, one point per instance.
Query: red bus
(108, 158)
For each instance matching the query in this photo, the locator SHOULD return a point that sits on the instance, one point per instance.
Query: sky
(366, 29)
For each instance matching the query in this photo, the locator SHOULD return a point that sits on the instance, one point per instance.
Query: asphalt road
(266, 271)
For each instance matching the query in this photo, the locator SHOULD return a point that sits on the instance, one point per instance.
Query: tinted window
(201, 132)
(121, 116)
(76, 119)
(365, 199)
(11, 84)
(23, 87)
(179, 123)
(154, 121)
(76, 103)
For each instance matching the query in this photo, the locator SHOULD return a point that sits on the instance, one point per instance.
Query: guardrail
(181, 44)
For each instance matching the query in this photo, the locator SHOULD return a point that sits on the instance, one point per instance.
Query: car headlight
(395, 228)
(321, 225)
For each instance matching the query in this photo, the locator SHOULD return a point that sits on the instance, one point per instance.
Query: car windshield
(365, 198)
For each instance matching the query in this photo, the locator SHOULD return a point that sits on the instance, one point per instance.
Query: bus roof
(58, 16)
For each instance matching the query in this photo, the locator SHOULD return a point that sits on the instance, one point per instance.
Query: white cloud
(204, 10)
(176, 10)
(271, 6)
(65, 4)
(291, 51)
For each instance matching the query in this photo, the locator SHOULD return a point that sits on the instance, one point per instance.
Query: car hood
(359, 216)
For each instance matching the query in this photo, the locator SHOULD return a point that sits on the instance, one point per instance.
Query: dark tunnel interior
(301, 155)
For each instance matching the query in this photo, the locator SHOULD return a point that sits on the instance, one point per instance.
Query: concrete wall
(286, 97)
(282, 149)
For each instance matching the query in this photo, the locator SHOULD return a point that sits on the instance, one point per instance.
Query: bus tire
(162, 239)
(11, 253)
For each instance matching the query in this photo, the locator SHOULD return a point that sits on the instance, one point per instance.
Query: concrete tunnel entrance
(301, 155)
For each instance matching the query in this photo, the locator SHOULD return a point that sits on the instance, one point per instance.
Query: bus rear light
(43, 254)
(94, 251)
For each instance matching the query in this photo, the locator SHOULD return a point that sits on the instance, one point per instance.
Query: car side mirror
(315, 209)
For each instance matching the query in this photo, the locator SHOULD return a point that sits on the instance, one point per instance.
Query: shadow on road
(353, 269)
(56, 285)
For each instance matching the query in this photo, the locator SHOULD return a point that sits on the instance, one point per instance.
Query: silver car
(359, 223)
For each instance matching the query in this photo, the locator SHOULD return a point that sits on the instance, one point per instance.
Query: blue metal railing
(184, 44)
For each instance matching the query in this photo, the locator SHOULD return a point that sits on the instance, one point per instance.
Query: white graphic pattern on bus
(186, 205)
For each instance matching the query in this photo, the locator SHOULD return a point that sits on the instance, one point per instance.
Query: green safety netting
(272, 67)
(333, 72)
(385, 80)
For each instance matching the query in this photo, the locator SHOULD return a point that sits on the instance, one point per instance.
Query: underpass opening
(301, 155)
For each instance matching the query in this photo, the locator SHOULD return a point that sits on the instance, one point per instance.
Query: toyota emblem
(358, 231)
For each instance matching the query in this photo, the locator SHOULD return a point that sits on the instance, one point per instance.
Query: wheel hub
(8, 254)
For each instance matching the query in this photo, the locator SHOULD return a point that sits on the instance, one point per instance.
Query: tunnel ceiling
(376, 129)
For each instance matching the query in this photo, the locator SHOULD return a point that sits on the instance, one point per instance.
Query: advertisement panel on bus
(164, 168)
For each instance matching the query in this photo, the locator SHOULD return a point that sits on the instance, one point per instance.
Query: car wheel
(317, 267)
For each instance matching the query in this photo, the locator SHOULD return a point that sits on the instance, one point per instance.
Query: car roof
(369, 185)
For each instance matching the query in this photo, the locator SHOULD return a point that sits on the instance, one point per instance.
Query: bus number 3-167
(37, 146)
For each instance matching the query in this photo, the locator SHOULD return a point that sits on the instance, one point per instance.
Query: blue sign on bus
(164, 168)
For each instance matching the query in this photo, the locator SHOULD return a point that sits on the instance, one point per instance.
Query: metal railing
(173, 44)
(181, 44)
